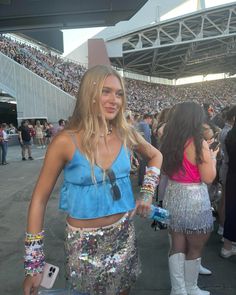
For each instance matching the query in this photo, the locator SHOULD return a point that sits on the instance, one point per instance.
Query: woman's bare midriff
(96, 222)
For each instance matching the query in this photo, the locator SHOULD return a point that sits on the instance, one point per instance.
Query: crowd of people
(30, 132)
(142, 97)
(52, 67)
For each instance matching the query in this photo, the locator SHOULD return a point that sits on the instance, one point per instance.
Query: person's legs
(6, 149)
(228, 249)
(23, 148)
(28, 148)
(4, 153)
(227, 244)
(1, 146)
(29, 151)
(38, 142)
(176, 263)
(229, 235)
(41, 142)
(221, 206)
(195, 244)
(177, 243)
(221, 212)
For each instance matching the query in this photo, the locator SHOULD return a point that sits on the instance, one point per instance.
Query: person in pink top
(189, 165)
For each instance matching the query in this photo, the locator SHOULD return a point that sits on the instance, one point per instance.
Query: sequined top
(81, 198)
(189, 172)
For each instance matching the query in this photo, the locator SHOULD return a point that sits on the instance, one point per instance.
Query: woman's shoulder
(63, 144)
(68, 137)
(63, 136)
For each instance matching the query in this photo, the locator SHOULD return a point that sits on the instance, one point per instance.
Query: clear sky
(74, 38)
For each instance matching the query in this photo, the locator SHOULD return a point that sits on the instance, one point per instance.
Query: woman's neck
(108, 130)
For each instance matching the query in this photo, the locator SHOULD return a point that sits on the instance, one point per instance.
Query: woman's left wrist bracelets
(150, 182)
(34, 254)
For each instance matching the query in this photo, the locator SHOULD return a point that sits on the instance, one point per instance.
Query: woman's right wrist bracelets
(34, 255)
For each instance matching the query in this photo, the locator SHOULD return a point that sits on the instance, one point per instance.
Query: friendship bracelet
(154, 169)
(34, 259)
(150, 182)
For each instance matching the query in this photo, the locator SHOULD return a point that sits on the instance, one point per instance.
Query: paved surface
(17, 180)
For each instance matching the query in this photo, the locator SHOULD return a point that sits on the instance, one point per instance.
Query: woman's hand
(31, 284)
(142, 207)
(214, 152)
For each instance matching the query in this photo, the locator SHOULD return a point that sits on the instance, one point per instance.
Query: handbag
(215, 192)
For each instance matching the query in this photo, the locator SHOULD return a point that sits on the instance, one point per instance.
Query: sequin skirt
(102, 260)
(189, 206)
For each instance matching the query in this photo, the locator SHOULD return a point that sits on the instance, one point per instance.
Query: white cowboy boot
(204, 271)
(191, 277)
(176, 269)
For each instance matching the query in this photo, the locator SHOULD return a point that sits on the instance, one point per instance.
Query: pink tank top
(189, 173)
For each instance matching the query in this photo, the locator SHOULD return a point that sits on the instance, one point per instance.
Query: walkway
(17, 181)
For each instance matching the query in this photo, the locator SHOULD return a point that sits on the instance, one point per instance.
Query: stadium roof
(199, 43)
(21, 15)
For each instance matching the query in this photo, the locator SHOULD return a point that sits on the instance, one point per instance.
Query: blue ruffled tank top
(81, 198)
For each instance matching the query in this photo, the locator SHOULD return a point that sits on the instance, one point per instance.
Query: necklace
(109, 131)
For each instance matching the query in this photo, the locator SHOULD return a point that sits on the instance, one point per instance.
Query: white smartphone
(50, 273)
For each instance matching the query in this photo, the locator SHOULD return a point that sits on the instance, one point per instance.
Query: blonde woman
(39, 134)
(94, 152)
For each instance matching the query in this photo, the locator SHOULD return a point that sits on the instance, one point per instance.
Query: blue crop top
(81, 198)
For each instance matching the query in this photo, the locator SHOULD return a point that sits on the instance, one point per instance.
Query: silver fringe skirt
(189, 206)
(102, 260)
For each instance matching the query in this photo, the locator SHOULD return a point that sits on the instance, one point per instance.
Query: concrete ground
(17, 180)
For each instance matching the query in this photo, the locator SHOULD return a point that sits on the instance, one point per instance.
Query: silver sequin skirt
(189, 206)
(102, 260)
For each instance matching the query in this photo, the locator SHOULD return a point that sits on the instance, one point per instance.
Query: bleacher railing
(35, 96)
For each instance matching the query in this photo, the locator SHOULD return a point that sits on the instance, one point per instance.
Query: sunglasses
(114, 187)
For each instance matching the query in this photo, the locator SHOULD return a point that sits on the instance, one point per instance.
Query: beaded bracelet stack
(34, 255)
(150, 182)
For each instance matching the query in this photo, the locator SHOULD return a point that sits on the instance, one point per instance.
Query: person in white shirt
(4, 143)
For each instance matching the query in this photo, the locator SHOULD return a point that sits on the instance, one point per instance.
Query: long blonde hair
(88, 118)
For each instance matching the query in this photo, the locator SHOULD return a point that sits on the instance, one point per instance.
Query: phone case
(49, 275)
(214, 145)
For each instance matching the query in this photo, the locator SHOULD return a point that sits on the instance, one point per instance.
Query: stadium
(37, 82)
(88, 193)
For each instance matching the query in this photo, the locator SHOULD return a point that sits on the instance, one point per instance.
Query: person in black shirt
(229, 247)
(25, 139)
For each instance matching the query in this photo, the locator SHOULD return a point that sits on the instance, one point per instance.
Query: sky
(74, 38)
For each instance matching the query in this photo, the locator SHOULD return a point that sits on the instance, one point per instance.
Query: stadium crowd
(143, 97)
(58, 71)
